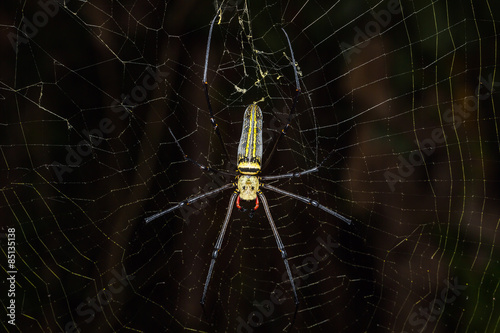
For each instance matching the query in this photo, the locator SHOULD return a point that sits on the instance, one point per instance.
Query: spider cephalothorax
(248, 186)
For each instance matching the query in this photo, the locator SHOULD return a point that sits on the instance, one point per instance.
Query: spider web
(402, 94)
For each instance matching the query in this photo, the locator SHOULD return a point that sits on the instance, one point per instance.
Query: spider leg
(292, 109)
(281, 247)
(291, 175)
(201, 166)
(307, 201)
(205, 86)
(298, 174)
(189, 201)
(218, 245)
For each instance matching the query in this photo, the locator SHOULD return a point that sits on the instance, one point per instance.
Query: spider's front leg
(281, 247)
(218, 245)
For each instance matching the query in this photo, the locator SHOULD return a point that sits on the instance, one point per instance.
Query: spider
(247, 182)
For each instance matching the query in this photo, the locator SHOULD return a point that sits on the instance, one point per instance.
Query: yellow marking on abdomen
(254, 109)
(251, 126)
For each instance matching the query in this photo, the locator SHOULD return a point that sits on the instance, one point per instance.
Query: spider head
(248, 187)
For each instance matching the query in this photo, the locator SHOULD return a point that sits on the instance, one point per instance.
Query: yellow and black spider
(247, 183)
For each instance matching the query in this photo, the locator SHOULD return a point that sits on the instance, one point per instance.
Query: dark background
(370, 103)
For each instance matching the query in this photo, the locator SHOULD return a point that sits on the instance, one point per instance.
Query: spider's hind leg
(294, 103)
(207, 97)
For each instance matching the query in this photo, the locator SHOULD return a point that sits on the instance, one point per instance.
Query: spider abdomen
(250, 146)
